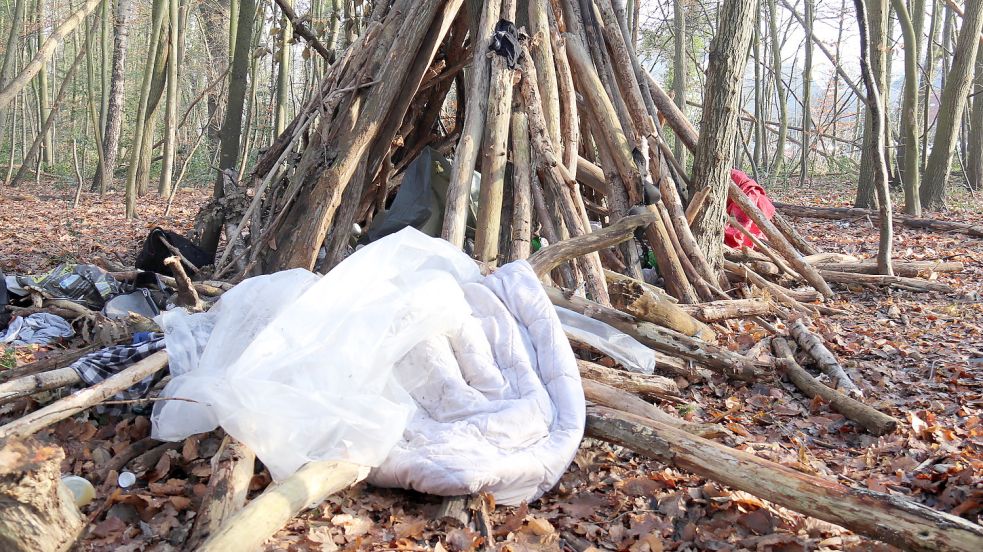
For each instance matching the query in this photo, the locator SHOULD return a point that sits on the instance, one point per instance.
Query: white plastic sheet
(403, 358)
(611, 341)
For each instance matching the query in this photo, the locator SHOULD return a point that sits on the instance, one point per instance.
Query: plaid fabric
(96, 367)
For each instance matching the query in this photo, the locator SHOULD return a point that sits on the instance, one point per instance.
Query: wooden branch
(44, 381)
(301, 30)
(763, 248)
(630, 297)
(232, 471)
(889, 518)
(877, 423)
(718, 311)
(911, 269)
(910, 284)
(612, 277)
(828, 364)
(696, 205)
(793, 236)
(187, 295)
(81, 400)
(778, 241)
(611, 397)
(780, 293)
(666, 341)
(38, 512)
(57, 359)
(841, 213)
(551, 256)
(521, 232)
(659, 387)
(270, 511)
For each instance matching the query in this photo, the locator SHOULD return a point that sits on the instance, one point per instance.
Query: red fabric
(732, 236)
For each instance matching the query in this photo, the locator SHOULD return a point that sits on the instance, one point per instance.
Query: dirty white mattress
(403, 358)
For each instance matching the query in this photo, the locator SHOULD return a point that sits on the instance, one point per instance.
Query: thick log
(591, 175)
(630, 297)
(44, 381)
(841, 213)
(552, 256)
(911, 269)
(278, 504)
(696, 204)
(466, 153)
(81, 400)
(612, 277)
(521, 231)
(611, 397)
(910, 284)
(232, 471)
(778, 241)
(673, 343)
(812, 344)
(677, 284)
(892, 519)
(38, 512)
(495, 154)
(718, 311)
(658, 387)
(877, 423)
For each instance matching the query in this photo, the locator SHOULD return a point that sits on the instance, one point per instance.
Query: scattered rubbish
(155, 250)
(126, 479)
(138, 302)
(40, 328)
(403, 358)
(99, 365)
(85, 284)
(4, 301)
(734, 237)
(620, 346)
(82, 490)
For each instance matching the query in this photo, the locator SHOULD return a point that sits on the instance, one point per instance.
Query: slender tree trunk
(44, 103)
(10, 54)
(806, 95)
(679, 70)
(718, 130)
(909, 112)
(114, 111)
(170, 117)
(928, 75)
(156, 25)
(954, 99)
(776, 54)
(283, 74)
(232, 126)
(974, 162)
(877, 12)
(876, 108)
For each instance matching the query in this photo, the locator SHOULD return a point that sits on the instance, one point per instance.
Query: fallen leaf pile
(915, 356)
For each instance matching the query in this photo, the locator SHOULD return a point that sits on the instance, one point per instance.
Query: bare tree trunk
(44, 102)
(776, 54)
(876, 108)
(866, 188)
(679, 66)
(10, 53)
(909, 111)
(170, 117)
(713, 156)
(283, 74)
(806, 95)
(974, 162)
(114, 111)
(954, 99)
(927, 76)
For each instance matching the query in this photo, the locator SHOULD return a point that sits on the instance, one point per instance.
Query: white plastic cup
(82, 489)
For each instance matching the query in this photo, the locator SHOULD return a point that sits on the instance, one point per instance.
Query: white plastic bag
(402, 358)
(611, 341)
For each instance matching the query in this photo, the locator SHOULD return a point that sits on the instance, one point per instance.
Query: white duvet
(403, 358)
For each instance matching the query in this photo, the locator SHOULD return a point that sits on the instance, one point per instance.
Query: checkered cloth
(96, 367)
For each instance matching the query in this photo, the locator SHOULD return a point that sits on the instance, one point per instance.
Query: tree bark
(878, 19)
(714, 151)
(974, 161)
(38, 512)
(114, 110)
(225, 495)
(911, 174)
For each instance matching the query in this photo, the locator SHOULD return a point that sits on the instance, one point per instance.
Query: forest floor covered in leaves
(916, 356)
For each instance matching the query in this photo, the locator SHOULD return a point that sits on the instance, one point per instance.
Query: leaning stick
(768, 252)
(44, 381)
(874, 421)
(81, 400)
(269, 512)
(552, 256)
(892, 519)
(232, 471)
(606, 395)
(187, 295)
(828, 364)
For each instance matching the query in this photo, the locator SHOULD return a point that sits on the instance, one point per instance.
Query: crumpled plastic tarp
(403, 358)
(40, 328)
(623, 348)
(732, 236)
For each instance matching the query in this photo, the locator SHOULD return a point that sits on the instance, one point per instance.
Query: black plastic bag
(154, 251)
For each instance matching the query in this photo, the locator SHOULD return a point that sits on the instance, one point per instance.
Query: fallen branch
(187, 296)
(88, 397)
(892, 519)
(630, 296)
(841, 213)
(877, 423)
(611, 397)
(270, 511)
(232, 471)
(812, 344)
(630, 382)
(912, 269)
(718, 311)
(44, 381)
(910, 284)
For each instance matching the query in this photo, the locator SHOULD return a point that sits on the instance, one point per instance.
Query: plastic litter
(622, 347)
(126, 479)
(40, 328)
(403, 358)
(82, 490)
